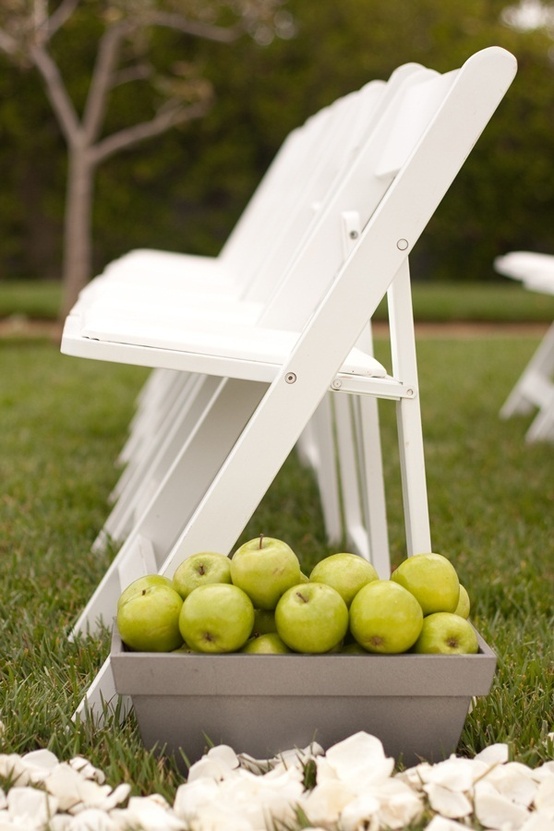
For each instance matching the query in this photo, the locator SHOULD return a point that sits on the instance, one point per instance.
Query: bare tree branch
(101, 82)
(60, 16)
(206, 31)
(57, 94)
(137, 72)
(7, 43)
(162, 121)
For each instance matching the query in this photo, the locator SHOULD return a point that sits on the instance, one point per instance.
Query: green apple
(346, 573)
(311, 617)
(432, 579)
(264, 621)
(216, 617)
(269, 644)
(385, 617)
(141, 583)
(199, 569)
(446, 633)
(265, 568)
(148, 616)
(464, 603)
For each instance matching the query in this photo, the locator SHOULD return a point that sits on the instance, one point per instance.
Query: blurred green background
(185, 189)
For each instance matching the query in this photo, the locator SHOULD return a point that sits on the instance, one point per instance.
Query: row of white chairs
(268, 346)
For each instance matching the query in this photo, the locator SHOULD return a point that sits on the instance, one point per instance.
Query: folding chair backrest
(362, 187)
(464, 103)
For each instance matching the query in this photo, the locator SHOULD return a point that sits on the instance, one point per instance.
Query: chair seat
(233, 350)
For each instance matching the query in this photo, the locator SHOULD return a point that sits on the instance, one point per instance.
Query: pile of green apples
(259, 601)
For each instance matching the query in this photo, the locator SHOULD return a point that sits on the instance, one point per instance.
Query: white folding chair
(342, 134)
(534, 390)
(262, 383)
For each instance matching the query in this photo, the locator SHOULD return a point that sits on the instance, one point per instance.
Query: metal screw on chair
(353, 235)
(290, 377)
(402, 244)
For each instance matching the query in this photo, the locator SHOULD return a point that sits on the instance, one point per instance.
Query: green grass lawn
(62, 423)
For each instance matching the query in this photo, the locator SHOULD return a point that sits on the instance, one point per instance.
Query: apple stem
(261, 541)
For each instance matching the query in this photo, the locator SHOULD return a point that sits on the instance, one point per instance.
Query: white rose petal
(325, 771)
(544, 797)
(92, 819)
(87, 770)
(72, 791)
(220, 818)
(447, 803)
(298, 757)
(30, 808)
(262, 800)
(192, 797)
(325, 803)
(60, 822)
(42, 759)
(3, 800)
(538, 822)
(454, 773)
(494, 754)
(13, 769)
(444, 824)
(360, 756)
(7, 825)
(152, 813)
(545, 771)
(496, 812)
(360, 814)
(399, 805)
(115, 798)
(225, 754)
(415, 776)
(513, 781)
(210, 768)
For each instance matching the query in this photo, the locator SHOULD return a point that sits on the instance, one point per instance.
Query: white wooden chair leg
(370, 457)
(184, 485)
(534, 386)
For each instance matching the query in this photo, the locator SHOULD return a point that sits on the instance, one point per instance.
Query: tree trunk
(77, 254)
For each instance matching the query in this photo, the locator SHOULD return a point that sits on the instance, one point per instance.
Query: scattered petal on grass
(360, 757)
(353, 788)
(444, 824)
(13, 769)
(39, 763)
(74, 792)
(399, 805)
(537, 822)
(455, 773)
(447, 803)
(193, 797)
(544, 771)
(360, 814)
(92, 819)
(30, 808)
(494, 754)
(497, 812)
(514, 781)
(88, 771)
(149, 813)
(544, 797)
(325, 803)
